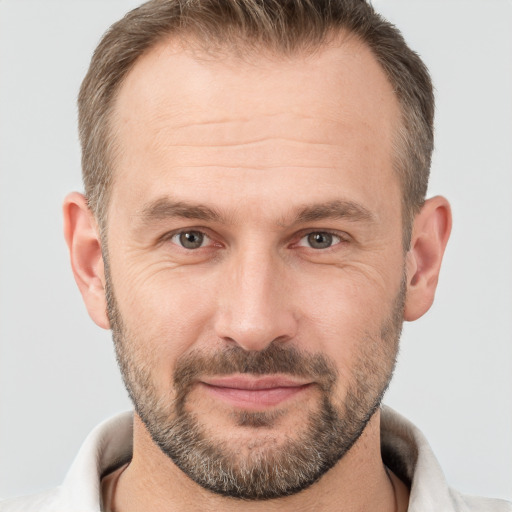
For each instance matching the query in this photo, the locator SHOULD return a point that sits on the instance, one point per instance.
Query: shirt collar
(404, 450)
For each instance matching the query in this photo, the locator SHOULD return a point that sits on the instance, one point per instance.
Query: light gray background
(57, 371)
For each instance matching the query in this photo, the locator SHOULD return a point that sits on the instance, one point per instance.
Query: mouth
(255, 393)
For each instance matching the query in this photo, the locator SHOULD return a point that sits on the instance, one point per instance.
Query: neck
(359, 481)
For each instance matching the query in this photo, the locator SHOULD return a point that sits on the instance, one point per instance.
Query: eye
(190, 239)
(319, 240)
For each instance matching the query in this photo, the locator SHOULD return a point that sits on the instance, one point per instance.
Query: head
(254, 228)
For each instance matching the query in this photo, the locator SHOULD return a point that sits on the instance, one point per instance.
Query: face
(255, 261)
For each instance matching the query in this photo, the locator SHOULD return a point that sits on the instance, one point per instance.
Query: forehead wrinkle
(257, 141)
(208, 119)
(187, 120)
(257, 131)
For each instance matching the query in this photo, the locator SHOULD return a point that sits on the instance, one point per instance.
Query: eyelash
(183, 232)
(340, 238)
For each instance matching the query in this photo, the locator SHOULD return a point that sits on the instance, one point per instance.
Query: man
(254, 231)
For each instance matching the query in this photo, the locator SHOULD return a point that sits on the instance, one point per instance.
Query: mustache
(274, 359)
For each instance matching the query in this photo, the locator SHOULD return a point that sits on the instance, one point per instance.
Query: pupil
(191, 239)
(320, 240)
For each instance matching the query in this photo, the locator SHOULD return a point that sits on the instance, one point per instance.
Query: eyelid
(204, 242)
(168, 237)
(340, 235)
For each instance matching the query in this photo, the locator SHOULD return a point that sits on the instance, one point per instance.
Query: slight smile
(254, 393)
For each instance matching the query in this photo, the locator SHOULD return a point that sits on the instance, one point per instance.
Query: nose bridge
(254, 307)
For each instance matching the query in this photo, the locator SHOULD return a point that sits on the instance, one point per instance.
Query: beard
(263, 467)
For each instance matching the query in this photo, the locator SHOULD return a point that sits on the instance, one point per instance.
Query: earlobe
(431, 231)
(84, 244)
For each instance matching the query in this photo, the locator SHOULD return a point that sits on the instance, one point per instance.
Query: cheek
(165, 313)
(346, 314)
(351, 299)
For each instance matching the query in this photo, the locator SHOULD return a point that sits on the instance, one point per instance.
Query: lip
(254, 393)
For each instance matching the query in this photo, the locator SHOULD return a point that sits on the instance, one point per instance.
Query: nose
(255, 303)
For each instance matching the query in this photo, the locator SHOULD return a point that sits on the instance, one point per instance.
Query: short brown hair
(282, 26)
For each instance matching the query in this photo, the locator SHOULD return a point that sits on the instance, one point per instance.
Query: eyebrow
(337, 209)
(165, 208)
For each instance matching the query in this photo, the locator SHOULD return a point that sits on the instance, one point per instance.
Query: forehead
(340, 81)
(180, 112)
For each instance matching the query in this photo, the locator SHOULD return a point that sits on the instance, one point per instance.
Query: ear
(431, 230)
(82, 236)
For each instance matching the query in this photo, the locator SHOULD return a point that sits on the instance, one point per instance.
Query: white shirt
(405, 451)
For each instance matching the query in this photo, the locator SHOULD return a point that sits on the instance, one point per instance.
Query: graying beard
(263, 474)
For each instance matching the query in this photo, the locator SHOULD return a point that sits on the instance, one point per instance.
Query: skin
(256, 142)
